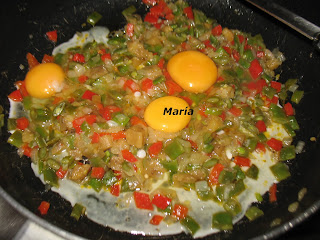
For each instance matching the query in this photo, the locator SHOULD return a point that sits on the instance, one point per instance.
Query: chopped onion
(79, 69)
(293, 87)
(202, 186)
(299, 147)
(112, 123)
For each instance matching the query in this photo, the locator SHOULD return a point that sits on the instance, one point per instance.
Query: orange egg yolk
(168, 114)
(193, 71)
(44, 80)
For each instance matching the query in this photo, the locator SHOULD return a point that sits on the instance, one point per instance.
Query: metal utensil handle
(291, 19)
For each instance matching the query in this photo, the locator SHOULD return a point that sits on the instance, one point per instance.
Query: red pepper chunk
(146, 84)
(217, 30)
(288, 109)
(16, 96)
(273, 193)
(106, 56)
(150, 2)
(52, 35)
(22, 123)
(82, 78)
(236, 55)
(129, 30)
(135, 120)
(156, 219)
(78, 58)
(155, 149)
(260, 54)
(151, 18)
(235, 111)
(242, 161)
(261, 126)
(32, 61)
(128, 156)
(95, 138)
(97, 172)
(188, 11)
(214, 174)
(118, 135)
(115, 190)
(90, 119)
(173, 87)
(260, 148)
(187, 99)
(21, 85)
(275, 144)
(255, 69)
(142, 200)
(47, 59)
(161, 63)
(276, 85)
(44, 207)
(180, 211)
(88, 95)
(26, 150)
(161, 201)
(61, 173)
(258, 85)
(132, 85)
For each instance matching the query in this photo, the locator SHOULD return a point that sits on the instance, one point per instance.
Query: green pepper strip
(222, 221)
(280, 171)
(93, 18)
(297, 96)
(16, 139)
(287, 153)
(77, 211)
(174, 149)
(190, 224)
(50, 177)
(253, 213)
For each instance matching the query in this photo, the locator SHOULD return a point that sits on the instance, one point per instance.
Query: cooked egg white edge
(98, 33)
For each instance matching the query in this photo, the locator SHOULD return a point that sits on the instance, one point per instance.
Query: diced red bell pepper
(276, 85)
(202, 112)
(155, 149)
(173, 87)
(214, 174)
(193, 144)
(88, 95)
(188, 11)
(235, 111)
(187, 99)
(161, 63)
(242, 161)
(156, 219)
(228, 50)
(107, 111)
(32, 61)
(142, 200)
(128, 156)
(273, 193)
(44, 207)
(90, 119)
(288, 109)
(161, 201)
(275, 144)
(151, 18)
(146, 84)
(223, 116)
(106, 56)
(52, 35)
(260, 54)
(47, 59)
(115, 190)
(241, 38)
(235, 55)
(78, 58)
(258, 85)
(61, 173)
(274, 100)
(134, 120)
(255, 69)
(22, 123)
(180, 211)
(129, 30)
(208, 44)
(101, 51)
(21, 85)
(130, 84)
(118, 135)
(260, 147)
(97, 172)
(150, 2)
(217, 30)
(261, 126)
(26, 150)
(95, 138)
(82, 78)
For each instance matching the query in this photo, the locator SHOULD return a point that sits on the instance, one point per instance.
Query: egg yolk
(44, 80)
(193, 71)
(168, 114)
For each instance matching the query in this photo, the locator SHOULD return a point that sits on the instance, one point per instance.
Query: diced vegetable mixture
(93, 132)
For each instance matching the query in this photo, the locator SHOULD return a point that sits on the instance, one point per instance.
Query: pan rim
(281, 229)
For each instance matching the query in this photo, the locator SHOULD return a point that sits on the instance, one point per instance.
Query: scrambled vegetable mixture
(92, 130)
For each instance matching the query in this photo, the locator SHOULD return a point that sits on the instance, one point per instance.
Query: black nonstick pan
(23, 28)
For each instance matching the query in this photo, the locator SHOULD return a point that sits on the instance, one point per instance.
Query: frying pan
(23, 28)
